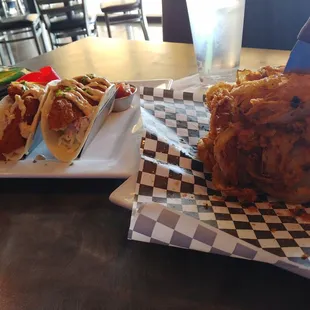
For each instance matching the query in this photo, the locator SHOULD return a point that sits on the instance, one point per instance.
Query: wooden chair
(29, 25)
(123, 11)
(64, 19)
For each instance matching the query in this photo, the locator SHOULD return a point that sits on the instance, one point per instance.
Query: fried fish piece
(259, 138)
(17, 115)
(63, 113)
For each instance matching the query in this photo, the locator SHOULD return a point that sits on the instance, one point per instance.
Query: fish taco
(69, 111)
(19, 118)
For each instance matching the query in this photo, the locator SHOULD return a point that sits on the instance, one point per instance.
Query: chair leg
(43, 43)
(129, 32)
(57, 41)
(144, 25)
(42, 38)
(51, 39)
(9, 50)
(96, 29)
(5, 8)
(1, 55)
(36, 39)
(107, 21)
(19, 7)
(87, 26)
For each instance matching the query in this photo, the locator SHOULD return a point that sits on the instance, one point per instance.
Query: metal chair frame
(126, 17)
(19, 7)
(35, 31)
(51, 11)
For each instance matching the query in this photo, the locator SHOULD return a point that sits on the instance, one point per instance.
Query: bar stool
(127, 7)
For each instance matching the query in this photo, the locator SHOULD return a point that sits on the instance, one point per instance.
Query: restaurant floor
(26, 49)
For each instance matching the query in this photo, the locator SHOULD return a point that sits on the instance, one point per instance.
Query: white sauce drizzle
(25, 129)
(74, 134)
(101, 81)
(20, 103)
(74, 96)
(35, 93)
(6, 115)
(8, 107)
(94, 94)
(96, 84)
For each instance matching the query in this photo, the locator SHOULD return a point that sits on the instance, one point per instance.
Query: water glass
(217, 27)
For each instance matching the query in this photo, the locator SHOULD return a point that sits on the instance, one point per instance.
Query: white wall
(93, 7)
(152, 7)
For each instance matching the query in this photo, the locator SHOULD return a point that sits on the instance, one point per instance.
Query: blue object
(299, 60)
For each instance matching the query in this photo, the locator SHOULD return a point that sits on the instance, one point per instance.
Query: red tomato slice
(123, 90)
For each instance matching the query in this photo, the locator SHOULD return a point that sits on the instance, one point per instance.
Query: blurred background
(31, 27)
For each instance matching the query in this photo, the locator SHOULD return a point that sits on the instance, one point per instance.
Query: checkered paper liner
(176, 204)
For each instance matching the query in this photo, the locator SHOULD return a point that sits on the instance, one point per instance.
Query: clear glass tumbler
(217, 27)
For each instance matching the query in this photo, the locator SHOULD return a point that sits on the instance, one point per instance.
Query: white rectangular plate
(114, 153)
(123, 196)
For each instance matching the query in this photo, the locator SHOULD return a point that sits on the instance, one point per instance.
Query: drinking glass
(217, 27)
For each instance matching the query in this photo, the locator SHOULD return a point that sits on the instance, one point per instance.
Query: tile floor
(26, 49)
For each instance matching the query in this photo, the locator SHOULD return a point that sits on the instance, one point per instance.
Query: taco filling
(75, 104)
(17, 113)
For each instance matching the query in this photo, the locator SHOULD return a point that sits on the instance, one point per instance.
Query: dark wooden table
(64, 246)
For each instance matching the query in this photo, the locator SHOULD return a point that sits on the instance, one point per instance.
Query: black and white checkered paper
(176, 204)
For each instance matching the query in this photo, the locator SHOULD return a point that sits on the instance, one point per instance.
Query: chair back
(61, 10)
